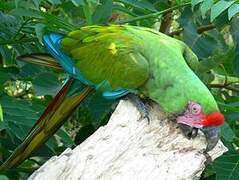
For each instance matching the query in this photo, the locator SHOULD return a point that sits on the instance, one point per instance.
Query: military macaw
(117, 60)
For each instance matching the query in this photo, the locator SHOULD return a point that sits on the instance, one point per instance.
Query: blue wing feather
(115, 94)
(52, 43)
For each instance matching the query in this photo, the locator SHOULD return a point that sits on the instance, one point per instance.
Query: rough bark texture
(129, 148)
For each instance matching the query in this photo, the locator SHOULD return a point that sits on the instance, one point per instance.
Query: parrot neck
(172, 84)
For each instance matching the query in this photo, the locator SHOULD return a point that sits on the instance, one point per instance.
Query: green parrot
(118, 60)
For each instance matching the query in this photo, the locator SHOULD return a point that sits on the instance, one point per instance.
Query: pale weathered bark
(128, 148)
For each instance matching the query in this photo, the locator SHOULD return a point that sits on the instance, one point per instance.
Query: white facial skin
(192, 116)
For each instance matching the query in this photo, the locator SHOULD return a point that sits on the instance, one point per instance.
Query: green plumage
(141, 59)
(138, 59)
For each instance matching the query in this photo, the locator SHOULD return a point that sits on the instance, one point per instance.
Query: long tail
(43, 59)
(50, 121)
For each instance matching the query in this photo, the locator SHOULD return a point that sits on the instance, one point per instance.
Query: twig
(224, 86)
(177, 32)
(235, 82)
(152, 15)
(166, 23)
(129, 3)
(200, 30)
(204, 28)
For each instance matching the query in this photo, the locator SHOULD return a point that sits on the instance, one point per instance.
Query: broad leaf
(3, 177)
(233, 10)
(227, 167)
(219, 7)
(26, 12)
(196, 2)
(235, 34)
(204, 44)
(78, 2)
(205, 7)
(1, 113)
(46, 84)
(227, 133)
(39, 28)
(103, 12)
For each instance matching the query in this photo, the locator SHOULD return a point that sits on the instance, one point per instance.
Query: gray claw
(141, 106)
(208, 158)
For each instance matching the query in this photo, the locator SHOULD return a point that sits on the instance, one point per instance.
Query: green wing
(111, 54)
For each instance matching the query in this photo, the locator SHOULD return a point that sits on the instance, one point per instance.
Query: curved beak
(212, 136)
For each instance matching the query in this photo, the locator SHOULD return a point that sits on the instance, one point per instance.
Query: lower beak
(188, 131)
(212, 136)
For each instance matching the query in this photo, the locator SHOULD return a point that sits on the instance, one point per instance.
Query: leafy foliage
(217, 8)
(209, 27)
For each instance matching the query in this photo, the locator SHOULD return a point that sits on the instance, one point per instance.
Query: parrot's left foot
(141, 106)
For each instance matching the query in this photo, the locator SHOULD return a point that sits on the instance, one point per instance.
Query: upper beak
(212, 136)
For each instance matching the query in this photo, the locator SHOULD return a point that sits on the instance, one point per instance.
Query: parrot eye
(195, 109)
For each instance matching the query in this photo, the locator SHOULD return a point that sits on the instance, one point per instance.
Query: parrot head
(194, 118)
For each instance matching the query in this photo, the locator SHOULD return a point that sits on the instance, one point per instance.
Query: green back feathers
(107, 54)
(141, 59)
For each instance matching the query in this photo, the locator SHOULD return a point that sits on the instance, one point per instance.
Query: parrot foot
(208, 158)
(188, 131)
(142, 107)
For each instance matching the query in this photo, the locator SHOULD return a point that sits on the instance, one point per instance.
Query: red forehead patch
(214, 119)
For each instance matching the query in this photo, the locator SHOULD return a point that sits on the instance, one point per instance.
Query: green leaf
(26, 12)
(46, 84)
(4, 76)
(233, 10)
(3, 177)
(55, 2)
(36, 3)
(219, 7)
(196, 2)
(205, 7)
(227, 133)
(142, 6)
(1, 113)
(235, 34)
(56, 23)
(98, 107)
(6, 54)
(17, 3)
(78, 2)
(88, 14)
(204, 44)
(19, 115)
(30, 71)
(39, 28)
(227, 167)
(218, 58)
(6, 5)
(103, 12)
(65, 138)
